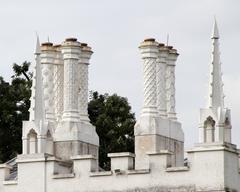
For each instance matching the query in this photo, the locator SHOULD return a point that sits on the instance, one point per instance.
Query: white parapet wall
(209, 169)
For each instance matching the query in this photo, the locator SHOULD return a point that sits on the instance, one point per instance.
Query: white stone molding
(161, 80)
(85, 56)
(170, 83)
(47, 60)
(71, 51)
(58, 79)
(149, 51)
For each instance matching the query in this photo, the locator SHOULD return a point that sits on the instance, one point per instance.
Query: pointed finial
(38, 49)
(215, 33)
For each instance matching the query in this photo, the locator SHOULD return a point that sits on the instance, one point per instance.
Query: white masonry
(60, 146)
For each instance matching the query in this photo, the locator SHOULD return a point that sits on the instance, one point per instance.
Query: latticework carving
(58, 90)
(161, 84)
(47, 71)
(83, 90)
(70, 86)
(149, 72)
(170, 89)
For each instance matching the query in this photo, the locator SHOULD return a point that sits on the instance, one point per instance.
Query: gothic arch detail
(209, 130)
(32, 142)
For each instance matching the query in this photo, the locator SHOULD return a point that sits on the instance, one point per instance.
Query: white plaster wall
(209, 170)
(231, 173)
(9, 188)
(31, 177)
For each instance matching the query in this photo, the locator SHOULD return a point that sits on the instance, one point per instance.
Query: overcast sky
(114, 29)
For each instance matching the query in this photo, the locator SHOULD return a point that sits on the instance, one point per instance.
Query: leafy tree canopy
(114, 121)
(14, 104)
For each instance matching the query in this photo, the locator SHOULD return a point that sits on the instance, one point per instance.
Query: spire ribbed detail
(216, 96)
(37, 111)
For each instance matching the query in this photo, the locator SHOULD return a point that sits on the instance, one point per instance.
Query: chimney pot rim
(57, 45)
(169, 47)
(49, 44)
(149, 39)
(161, 44)
(84, 44)
(71, 39)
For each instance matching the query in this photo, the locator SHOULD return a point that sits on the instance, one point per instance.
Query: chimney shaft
(47, 60)
(161, 80)
(149, 51)
(58, 82)
(71, 51)
(85, 56)
(170, 83)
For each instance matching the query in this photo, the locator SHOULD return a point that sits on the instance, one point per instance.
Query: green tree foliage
(114, 124)
(14, 105)
(23, 69)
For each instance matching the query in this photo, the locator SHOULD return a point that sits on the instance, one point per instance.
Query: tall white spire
(215, 119)
(37, 111)
(216, 96)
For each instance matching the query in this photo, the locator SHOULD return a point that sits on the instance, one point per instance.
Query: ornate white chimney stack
(59, 123)
(73, 135)
(155, 130)
(85, 56)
